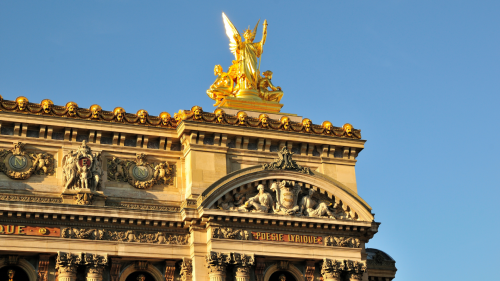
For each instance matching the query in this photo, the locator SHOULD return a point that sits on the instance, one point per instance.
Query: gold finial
(143, 115)
(96, 109)
(47, 105)
(22, 102)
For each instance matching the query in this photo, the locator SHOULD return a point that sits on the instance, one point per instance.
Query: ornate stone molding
(18, 164)
(144, 206)
(230, 233)
(339, 241)
(139, 173)
(186, 269)
(125, 236)
(30, 198)
(285, 162)
(43, 268)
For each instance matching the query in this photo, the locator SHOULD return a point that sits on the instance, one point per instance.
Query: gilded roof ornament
(95, 110)
(22, 103)
(47, 106)
(71, 108)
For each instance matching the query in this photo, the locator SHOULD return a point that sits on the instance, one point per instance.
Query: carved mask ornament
(264, 120)
(328, 127)
(143, 115)
(71, 107)
(285, 123)
(22, 102)
(242, 118)
(219, 114)
(307, 123)
(347, 129)
(96, 111)
(197, 110)
(165, 118)
(47, 106)
(119, 114)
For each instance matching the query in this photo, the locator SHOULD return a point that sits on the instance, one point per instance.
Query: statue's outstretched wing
(231, 32)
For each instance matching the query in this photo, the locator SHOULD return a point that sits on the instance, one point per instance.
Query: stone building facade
(89, 194)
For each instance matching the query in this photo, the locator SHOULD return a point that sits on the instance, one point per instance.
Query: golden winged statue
(243, 79)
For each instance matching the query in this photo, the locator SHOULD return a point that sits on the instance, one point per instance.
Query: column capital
(355, 269)
(95, 263)
(216, 262)
(331, 269)
(186, 269)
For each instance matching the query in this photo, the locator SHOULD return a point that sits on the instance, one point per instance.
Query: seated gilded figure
(222, 87)
(264, 83)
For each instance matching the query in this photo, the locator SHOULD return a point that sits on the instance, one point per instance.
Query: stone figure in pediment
(260, 203)
(309, 207)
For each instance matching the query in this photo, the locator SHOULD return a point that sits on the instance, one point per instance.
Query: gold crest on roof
(243, 87)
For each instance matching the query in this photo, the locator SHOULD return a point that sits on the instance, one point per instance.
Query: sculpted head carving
(285, 122)
(11, 274)
(22, 102)
(242, 118)
(264, 120)
(219, 115)
(197, 110)
(141, 277)
(218, 69)
(327, 127)
(268, 74)
(71, 107)
(248, 35)
(347, 129)
(165, 118)
(47, 106)
(260, 188)
(119, 113)
(143, 116)
(307, 123)
(282, 277)
(96, 111)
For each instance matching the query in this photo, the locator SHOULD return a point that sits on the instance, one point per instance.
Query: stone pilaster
(43, 268)
(243, 263)
(116, 266)
(355, 270)
(310, 270)
(67, 264)
(216, 263)
(331, 269)
(259, 269)
(186, 269)
(94, 266)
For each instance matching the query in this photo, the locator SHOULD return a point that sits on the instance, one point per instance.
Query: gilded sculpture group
(243, 79)
(95, 112)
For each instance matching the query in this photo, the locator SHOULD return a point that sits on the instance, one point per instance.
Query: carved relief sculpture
(230, 233)
(140, 173)
(286, 198)
(260, 203)
(350, 242)
(18, 164)
(82, 169)
(309, 207)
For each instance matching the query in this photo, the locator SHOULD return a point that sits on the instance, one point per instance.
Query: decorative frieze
(230, 233)
(139, 173)
(143, 206)
(18, 164)
(125, 236)
(342, 241)
(30, 198)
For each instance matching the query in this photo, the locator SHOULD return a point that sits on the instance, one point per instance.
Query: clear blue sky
(419, 78)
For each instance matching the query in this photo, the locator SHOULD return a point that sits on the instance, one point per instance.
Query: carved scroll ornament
(285, 162)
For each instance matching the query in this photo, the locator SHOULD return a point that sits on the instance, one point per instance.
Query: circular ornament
(42, 231)
(140, 172)
(18, 162)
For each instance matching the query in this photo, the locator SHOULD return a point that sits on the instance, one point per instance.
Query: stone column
(355, 270)
(216, 263)
(94, 266)
(331, 269)
(186, 269)
(67, 264)
(243, 263)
